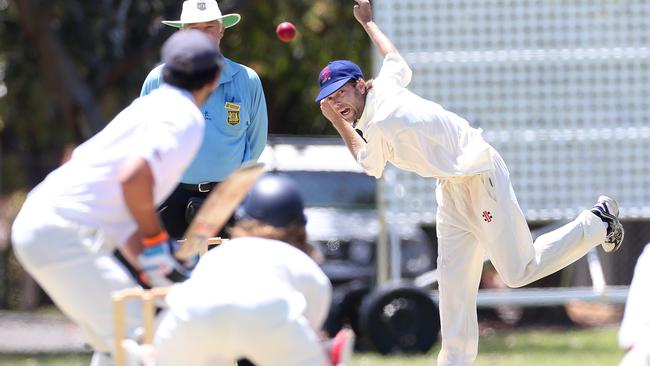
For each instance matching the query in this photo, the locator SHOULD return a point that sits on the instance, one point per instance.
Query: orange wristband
(154, 240)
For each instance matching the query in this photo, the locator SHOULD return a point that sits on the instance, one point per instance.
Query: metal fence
(561, 89)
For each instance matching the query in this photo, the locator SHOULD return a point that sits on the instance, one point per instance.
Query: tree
(71, 65)
(327, 30)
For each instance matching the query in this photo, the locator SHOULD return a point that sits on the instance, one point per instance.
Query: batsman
(478, 214)
(106, 195)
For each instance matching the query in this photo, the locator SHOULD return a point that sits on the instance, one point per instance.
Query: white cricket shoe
(607, 210)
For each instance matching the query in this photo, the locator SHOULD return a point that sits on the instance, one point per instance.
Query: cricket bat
(215, 240)
(217, 209)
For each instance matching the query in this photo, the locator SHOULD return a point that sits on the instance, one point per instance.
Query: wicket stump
(147, 297)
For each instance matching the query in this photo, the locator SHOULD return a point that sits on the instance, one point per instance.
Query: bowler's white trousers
(479, 215)
(75, 266)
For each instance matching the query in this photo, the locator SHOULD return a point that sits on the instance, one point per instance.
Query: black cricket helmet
(274, 200)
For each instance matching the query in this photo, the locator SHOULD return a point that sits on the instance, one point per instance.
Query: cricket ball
(286, 31)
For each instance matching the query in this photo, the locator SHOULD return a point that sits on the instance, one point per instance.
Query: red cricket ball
(286, 31)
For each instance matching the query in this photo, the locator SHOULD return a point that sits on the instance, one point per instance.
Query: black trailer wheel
(344, 310)
(400, 319)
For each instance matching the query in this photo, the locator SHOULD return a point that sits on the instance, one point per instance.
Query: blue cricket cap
(190, 52)
(335, 75)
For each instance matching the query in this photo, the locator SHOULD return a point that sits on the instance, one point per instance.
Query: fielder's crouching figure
(259, 296)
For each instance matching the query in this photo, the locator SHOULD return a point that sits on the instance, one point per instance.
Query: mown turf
(584, 347)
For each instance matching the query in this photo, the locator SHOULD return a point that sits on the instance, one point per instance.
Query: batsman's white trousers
(480, 215)
(75, 266)
(264, 333)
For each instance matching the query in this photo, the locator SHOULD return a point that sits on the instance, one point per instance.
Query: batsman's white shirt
(65, 233)
(166, 129)
(250, 297)
(478, 213)
(416, 134)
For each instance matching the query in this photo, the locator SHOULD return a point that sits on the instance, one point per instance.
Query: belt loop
(201, 188)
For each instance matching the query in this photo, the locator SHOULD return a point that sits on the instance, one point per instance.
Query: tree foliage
(70, 65)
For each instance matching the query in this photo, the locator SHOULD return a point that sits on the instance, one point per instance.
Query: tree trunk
(73, 97)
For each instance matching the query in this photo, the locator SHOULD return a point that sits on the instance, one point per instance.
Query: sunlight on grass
(589, 347)
(586, 347)
(45, 360)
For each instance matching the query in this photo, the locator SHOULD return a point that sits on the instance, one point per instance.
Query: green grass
(586, 347)
(44, 360)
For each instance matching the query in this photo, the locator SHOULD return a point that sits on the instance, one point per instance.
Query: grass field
(585, 347)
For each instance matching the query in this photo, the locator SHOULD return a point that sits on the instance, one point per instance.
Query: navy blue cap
(335, 75)
(274, 200)
(190, 52)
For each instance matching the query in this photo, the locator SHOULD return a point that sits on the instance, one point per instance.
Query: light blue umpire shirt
(236, 123)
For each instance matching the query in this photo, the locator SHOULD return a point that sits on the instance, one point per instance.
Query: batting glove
(159, 266)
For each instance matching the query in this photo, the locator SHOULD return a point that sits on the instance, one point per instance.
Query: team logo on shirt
(232, 109)
(200, 6)
(487, 216)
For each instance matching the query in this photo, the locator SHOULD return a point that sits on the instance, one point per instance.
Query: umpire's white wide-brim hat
(199, 11)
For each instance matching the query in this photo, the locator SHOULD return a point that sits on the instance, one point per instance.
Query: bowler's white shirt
(250, 273)
(415, 134)
(165, 128)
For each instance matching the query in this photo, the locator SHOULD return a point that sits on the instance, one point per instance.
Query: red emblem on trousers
(487, 216)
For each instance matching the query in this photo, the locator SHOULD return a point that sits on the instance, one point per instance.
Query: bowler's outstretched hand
(363, 11)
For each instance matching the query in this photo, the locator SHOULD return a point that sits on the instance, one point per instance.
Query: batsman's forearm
(137, 183)
(381, 41)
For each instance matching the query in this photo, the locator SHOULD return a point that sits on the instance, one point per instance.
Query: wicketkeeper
(259, 296)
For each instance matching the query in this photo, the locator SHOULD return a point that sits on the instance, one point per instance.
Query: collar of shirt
(183, 92)
(229, 71)
(368, 111)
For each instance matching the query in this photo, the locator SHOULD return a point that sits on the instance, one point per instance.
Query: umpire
(236, 121)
